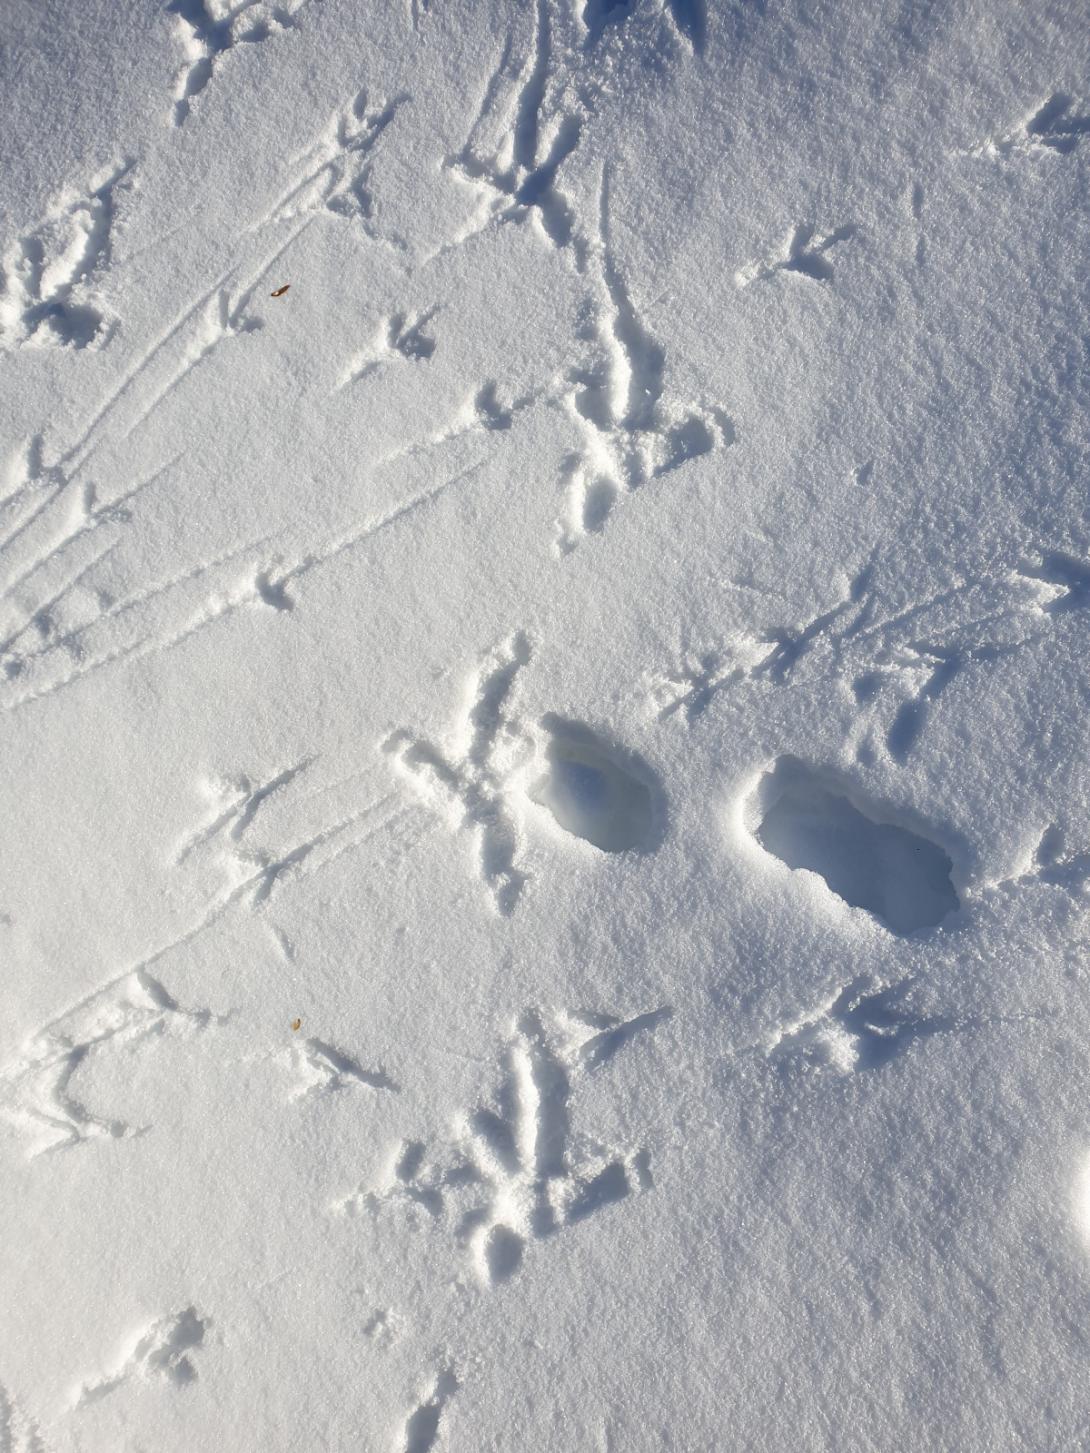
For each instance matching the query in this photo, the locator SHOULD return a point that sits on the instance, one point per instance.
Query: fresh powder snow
(544, 677)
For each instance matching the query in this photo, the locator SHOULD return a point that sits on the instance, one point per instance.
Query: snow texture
(544, 592)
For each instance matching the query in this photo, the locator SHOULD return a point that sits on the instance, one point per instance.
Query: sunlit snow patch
(590, 794)
(1082, 1201)
(810, 819)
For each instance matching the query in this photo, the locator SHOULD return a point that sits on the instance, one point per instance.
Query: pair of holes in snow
(807, 818)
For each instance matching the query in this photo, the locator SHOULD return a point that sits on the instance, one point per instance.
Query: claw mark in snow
(210, 29)
(804, 254)
(1065, 581)
(913, 655)
(1053, 862)
(335, 173)
(46, 277)
(237, 804)
(483, 412)
(423, 1425)
(18, 1433)
(1052, 127)
(469, 782)
(516, 1172)
(254, 871)
(407, 336)
(322, 1069)
(226, 316)
(631, 433)
(791, 643)
(399, 337)
(383, 1327)
(519, 179)
(596, 1038)
(691, 686)
(163, 1350)
(938, 666)
(129, 1012)
(861, 1027)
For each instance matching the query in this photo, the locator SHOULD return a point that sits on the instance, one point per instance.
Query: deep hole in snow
(896, 874)
(590, 794)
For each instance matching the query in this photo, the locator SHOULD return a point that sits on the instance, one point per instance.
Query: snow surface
(543, 688)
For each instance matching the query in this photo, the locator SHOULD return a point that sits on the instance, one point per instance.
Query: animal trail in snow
(47, 277)
(805, 254)
(424, 1424)
(516, 1172)
(863, 1026)
(156, 619)
(897, 665)
(226, 316)
(468, 781)
(632, 432)
(497, 761)
(321, 1069)
(164, 1350)
(1054, 127)
(210, 30)
(265, 832)
(532, 115)
(67, 628)
(129, 1014)
(687, 689)
(515, 174)
(400, 337)
(334, 174)
(57, 626)
(19, 1433)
